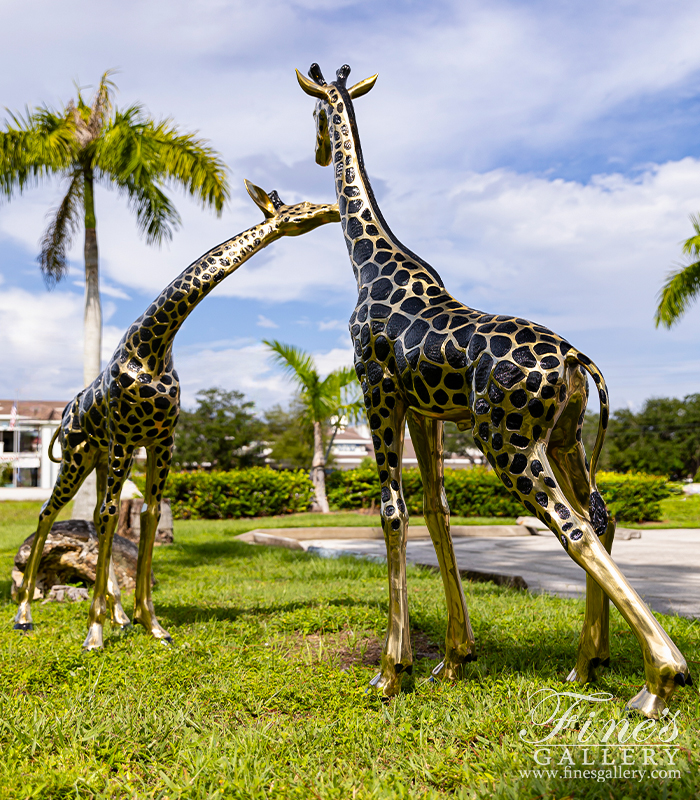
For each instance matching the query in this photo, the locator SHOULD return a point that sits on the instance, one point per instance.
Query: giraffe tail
(598, 511)
(51, 444)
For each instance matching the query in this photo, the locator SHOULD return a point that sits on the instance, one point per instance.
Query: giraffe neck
(369, 240)
(150, 338)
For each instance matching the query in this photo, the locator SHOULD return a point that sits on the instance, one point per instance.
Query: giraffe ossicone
(135, 403)
(423, 357)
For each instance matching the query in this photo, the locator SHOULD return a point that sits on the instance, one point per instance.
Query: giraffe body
(423, 357)
(135, 403)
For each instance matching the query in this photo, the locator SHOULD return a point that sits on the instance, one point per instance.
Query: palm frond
(160, 148)
(156, 216)
(691, 247)
(341, 377)
(34, 147)
(677, 294)
(298, 365)
(101, 104)
(58, 236)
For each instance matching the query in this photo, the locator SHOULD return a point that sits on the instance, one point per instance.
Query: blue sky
(543, 156)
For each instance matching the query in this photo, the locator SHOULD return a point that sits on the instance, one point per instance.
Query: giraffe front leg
(664, 666)
(106, 520)
(427, 437)
(114, 601)
(113, 592)
(71, 475)
(387, 425)
(567, 459)
(158, 466)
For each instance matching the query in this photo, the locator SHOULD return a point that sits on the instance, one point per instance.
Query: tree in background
(289, 436)
(221, 432)
(91, 143)
(461, 443)
(325, 402)
(663, 438)
(682, 285)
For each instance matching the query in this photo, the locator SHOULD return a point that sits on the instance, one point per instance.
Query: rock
(130, 521)
(60, 593)
(70, 556)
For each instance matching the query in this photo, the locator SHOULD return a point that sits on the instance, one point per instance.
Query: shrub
(633, 496)
(478, 492)
(253, 492)
(475, 492)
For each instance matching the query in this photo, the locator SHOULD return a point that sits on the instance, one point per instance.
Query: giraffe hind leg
(76, 465)
(664, 666)
(569, 468)
(157, 468)
(426, 435)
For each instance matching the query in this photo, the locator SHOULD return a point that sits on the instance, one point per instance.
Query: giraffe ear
(261, 198)
(362, 87)
(310, 87)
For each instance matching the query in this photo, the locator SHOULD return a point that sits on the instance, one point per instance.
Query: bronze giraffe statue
(135, 403)
(423, 357)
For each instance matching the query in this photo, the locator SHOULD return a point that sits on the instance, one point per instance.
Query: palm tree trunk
(318, 475)
(92, 320)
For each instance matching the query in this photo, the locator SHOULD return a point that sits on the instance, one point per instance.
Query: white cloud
(264, 322)
(333, 359)
(333, 325)
(41, 357)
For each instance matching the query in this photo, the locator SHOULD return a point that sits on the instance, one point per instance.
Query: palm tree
(87, 144)
(329, 400)
(683, 284)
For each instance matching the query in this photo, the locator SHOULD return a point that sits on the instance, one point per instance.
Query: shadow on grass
(185, 554)
(187, 614)
(188, 556)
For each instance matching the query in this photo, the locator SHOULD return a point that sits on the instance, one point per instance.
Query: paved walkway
(662, 565)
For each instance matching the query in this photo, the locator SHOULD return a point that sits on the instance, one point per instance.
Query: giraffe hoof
(124, 630)
(25, 627)
(449, 671)
(94, 638)
(166, 640)
(647, 704)
(688, 680)
(679, 679)
(386, 687)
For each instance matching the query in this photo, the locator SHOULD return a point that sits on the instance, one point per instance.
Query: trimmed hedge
(476, 492)
(634, 496)
(253, 492)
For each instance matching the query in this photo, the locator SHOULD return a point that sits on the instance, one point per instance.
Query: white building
(352, 444)
(24, 446)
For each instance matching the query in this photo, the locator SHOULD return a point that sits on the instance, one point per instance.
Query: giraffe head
(295, 219)
(327, 94)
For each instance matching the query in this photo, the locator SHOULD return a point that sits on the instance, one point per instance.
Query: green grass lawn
(262, 694)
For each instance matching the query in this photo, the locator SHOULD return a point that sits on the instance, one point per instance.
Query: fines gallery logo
(603, 747)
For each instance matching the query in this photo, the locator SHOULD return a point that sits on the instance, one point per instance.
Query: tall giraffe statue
(423, 357)
(135, 403)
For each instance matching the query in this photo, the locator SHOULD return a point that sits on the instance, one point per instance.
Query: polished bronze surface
(135, 403)
(423, 357)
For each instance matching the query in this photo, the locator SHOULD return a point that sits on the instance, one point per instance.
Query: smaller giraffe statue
(135, 403)
(423, 357)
